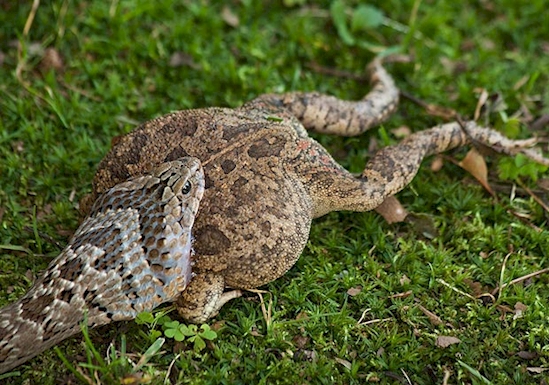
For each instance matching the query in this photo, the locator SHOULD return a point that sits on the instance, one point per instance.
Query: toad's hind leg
(392, 168)
(330, 115)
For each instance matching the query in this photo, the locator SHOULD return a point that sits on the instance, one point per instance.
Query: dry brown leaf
(401, 295)
(404, 280)
(217, 325)
(441, 112)
(305, 356)
(343, 362)
(433, 318)
(301, 341)
(520, 308)
(354, 291)
(302, 316)
(476, 166)
(476, 287)
(254, 332)
(179, 59)
(536, 370)
(18, 146)
(401, 132)
(230, 17)
(391, 210)
(29, 275)
(437, 163)
(52, 60)
(445, 341)
(526, 355)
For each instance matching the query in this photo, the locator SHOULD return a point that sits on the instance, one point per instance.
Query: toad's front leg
(392, 168)
(204, 297)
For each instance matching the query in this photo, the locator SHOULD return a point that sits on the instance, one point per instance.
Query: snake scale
(131, 254)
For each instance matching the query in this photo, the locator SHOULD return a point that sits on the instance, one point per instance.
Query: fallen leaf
(525, 355)
(437, 164)
(391, 210)
(354, 291)
(520, 308)
(401, 132)
(52, 60)
(301, 341)
(441, 112)
(404, 280)
(305, 355)
(536, 370)
(433, 318)
(179, 59)
(476, 166)
(18, 146)
(475, 287)
(302, 316)
(229, 17)
(217, 325)
(445, 341)
(343, 362)
(29, 275)
(254, 332)
(401, 295)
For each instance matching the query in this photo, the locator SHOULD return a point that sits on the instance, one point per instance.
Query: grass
(120, 68)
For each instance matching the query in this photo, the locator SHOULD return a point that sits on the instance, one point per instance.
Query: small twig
(432, 109)
(335, 72)
(440, 280)
(172, 363)
(373, 321)
(45, 236)
(538, 200)
(363, 316)
(520, 279)
(406, 376)
(267, 311)
(522, 219)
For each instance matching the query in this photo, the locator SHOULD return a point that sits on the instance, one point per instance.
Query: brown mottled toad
(266, 179)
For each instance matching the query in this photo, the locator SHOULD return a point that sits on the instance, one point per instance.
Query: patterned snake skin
(131, 254)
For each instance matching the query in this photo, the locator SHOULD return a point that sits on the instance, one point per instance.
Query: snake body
(131, 254)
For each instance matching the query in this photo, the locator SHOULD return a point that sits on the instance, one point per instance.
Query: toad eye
(187, 188)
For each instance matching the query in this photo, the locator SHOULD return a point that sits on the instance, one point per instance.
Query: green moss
(119, 70)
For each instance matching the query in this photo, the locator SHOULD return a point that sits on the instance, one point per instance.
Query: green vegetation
(368, 302)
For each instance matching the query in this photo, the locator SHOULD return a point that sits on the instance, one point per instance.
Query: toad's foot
(204, 297)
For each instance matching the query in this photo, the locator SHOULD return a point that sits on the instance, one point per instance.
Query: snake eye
(187, 188)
